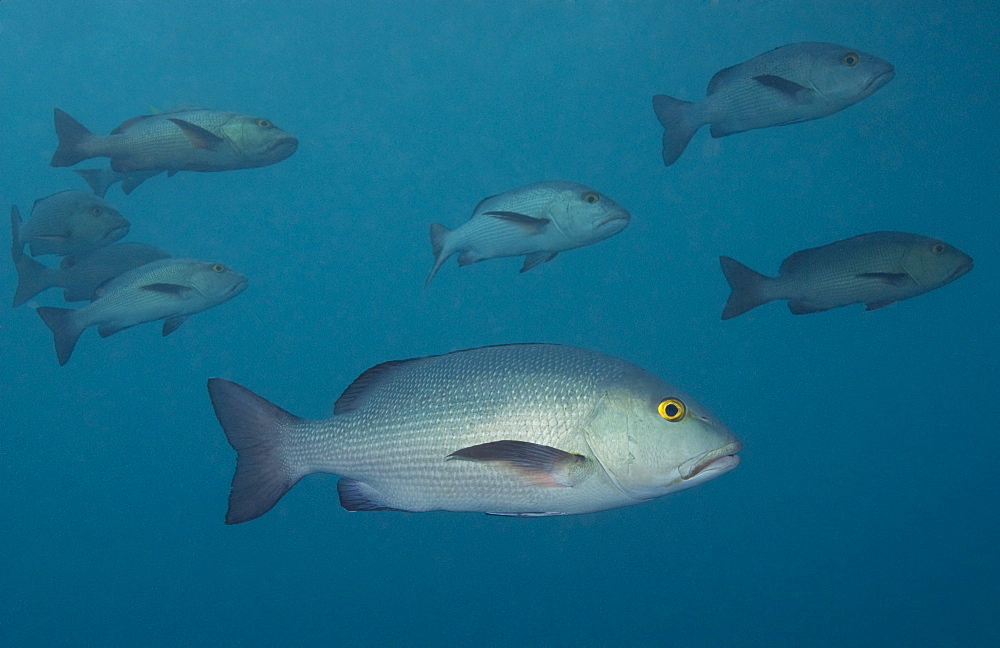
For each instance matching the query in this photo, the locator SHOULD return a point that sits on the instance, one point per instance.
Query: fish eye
(218, 267)
(263, 123)
(850, 59)
(96, 211)
(938, 248)
(672, 409)
(590, 197)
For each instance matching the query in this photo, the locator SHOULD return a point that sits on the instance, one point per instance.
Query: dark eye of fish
(218, 267)
(96, 211)
(672, 409)
(938, 248)
(850, 59)
(590, 197)
(263, 123)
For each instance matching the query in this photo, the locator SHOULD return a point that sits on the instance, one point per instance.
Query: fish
(789, 84)
(521, 430)
(168, 289)
(183, 140)
(875, 269)
(81, 275)
(100, 180)
(538, 220)
(67, 222)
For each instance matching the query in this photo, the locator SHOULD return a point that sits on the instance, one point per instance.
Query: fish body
(522, 429)
(67, 222)
(790, 84)
(184, 140)
(81, 275)
(875, 269)
(168, 289)
(538, 220)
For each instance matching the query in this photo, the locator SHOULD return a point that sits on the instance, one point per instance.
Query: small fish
(185, 140)
(521, 429)
(875, 269)
(81, 275)
(168, 289)
(790, 84)
(68, 222)
(100, 180)
(538, 220)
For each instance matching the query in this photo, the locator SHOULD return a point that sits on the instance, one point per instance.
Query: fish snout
(618, 220)
(883, 75)
(712, 464)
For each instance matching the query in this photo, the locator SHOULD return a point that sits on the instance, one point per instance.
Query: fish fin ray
(32, 278)
(172, 323)
(679, 126)
(357, 393)
(439, 237)
(65, 330)
(358, 496)
(128, 123)
(533, 259)
(526, 514)
(529, 224)
(794, 91)
(748, 288)
(540, 465)
(802, 307)
(199, 137)
(870, 306)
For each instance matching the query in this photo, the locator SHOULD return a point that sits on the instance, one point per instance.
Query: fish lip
(617, 216)
(724, 459)
(290, 143)
(879, 80)
(961, 270)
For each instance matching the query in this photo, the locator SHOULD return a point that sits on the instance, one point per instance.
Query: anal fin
(358, 496)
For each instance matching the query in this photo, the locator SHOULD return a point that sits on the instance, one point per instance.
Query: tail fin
(99, 179)
(71, 134)
(748, 288)
(678, 126)
(32, 278)
(257, 429)
(64, 328)
(438, 235)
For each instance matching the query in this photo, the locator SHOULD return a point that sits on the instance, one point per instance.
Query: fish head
(653, 439)
(934, 263)
(843, 76)
(586, 216)
(215, 282)
(95, 219)
(258, 140)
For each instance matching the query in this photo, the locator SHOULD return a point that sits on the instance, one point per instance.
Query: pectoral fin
(199, 137)
(796, 92)
(536, 258)
(530, 224)
(891, 278)
(539, 464)
(171, 324)
(178, 291)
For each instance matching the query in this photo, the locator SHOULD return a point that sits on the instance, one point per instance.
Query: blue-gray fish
(790, 84)
(100, 180)
(68, 222)
(522, 429)
(81, 275)
(168, 289)
(538, 220)
(875, 269)
(184, 140)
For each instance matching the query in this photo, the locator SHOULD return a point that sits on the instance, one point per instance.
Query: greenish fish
(168, 289)
(81, 275)
(521, 429)
(875, 269)
(68, 222)
(183, 140)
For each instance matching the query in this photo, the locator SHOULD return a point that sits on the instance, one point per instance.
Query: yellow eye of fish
(850, 59)
(263, 123)
(218, 267)
(672, 409)
(590, 197)
(938, 248)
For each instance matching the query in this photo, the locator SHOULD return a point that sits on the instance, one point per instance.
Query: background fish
(522, 429)
(538, 220)
(80, 275)
(101, 179)
(793, 83)
(185, 140)
(169, 289)
(875, 269)
(68, 222)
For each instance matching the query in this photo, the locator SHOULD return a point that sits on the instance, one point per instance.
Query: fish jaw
(876, 81)
(613, 223)
(710, 465)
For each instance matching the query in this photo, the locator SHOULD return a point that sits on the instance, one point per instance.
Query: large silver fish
(169, 289)
(790, 84)
(538, 220)
(81, 275)
(68, 222)
(522, 429)
(185, 140)
(875, 269)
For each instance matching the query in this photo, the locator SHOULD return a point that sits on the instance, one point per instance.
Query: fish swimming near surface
(68, 222)
(100, 180)
(538, 220)
(521, 429)
(184, 140)
(790, 84)
(875, 269)
(81, 275)
(168, 289)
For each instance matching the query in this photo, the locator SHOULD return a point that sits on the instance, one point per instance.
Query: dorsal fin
(357, 392)
(125, 125)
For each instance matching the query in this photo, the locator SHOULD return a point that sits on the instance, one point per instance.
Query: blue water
(865, 511)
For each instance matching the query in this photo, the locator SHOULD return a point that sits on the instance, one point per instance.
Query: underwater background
(865, 510)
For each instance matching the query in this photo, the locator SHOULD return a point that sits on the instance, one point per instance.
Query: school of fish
(522, 429)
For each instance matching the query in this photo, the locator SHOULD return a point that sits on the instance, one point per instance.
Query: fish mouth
(237, 288)
(713, 463)
(284, 146)
(961, 270)
(622, 216)
(879, 80)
